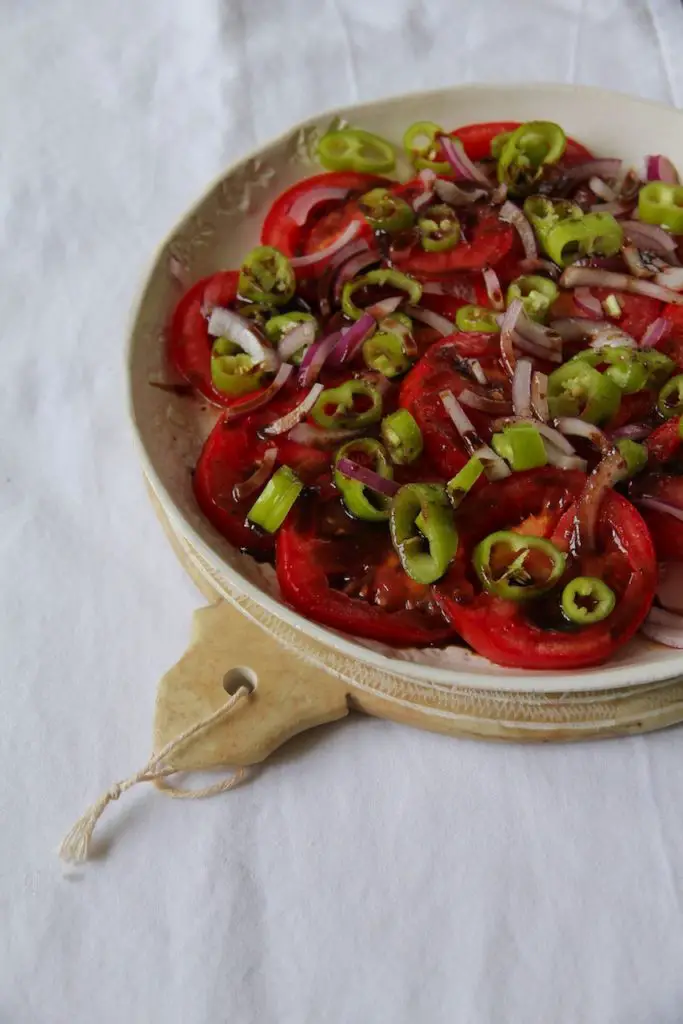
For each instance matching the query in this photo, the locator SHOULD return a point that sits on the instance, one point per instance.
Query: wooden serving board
(300, 684)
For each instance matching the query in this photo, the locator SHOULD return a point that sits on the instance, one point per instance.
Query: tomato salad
(450, 407)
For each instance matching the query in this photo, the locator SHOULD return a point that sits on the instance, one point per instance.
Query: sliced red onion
(507, 334)
(635, 262)
(533, 349)
(651, 237)
(262, 398)
(493, 288)
(492, 406)
(532, 266)
(427, 178)
(593, 169)
(316, 437)
(609, 471)
(349, 233)
(670, 587)
(560, 461)
(359, 262)
(460, 162)
(632, 432)
(660, 168)
(431, 319)
(602, 189)
(478, 372)
(575, 427)
(655, 505)
(315, 357)
(494, 467)
(367, 477)
(351, 339)
(521, 388)
(225, 323)
(576, 328)
(611, 338)
(664, 628)
(511, 214)
(449, 192)
(499, 194)
(300, 336)
(586, 301)
(539, 395)
(385, 307)
(302, 206)
(672, 277)
(258, 478)
(655, 332)
(459, 289)
(618, 208)
(552, 435)
(295, 415)
(573, 277)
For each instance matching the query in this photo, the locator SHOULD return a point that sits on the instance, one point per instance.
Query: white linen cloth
(372, 874)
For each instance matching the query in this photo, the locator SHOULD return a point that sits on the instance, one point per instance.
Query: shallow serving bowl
(225, 223)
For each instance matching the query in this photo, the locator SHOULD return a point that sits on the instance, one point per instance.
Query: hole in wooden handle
(239, 676)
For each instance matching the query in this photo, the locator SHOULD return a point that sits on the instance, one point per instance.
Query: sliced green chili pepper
(343, 401)
(522, 446)
(421, 516)
(596, 234)
(545, 214)
(352, 149)
(256, 311)
(577, 389)
(266, 276)
(537, 294)
(381, 279)
(529, 149)
(659, 367)
(385, 353)
(422, 147)
(402, 436)
(360, 500)
(386, 212)
(270, 509)
(233, 372)
(626, 368)
(476, 318)
(278, 326)
(505, 569)
(439, 228)
(586, 600)
(635, 455)
(463, 482)
(670, 401)
(497, 143)
(661, 203)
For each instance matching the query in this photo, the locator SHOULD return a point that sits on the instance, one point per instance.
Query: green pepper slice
(635, 455)
(537, 294)
(476, 318)
(385, 353)
(278, 326)
(577, 389)
(462, 483)
(420, 142)
(517, 567)
(670, 401)
(402, 436)
(360, 501)
(626, 368)
(343, 400)
(439, 228)
(270, 509)
(233, 372)
(596, 234)
(522, 446)
(421, 517)
(661, 203)
(586, 600)
(267, 277)
(659, 367)
(529, 149)
(258, 312)
(386, 212)
(381, 279)
(545, 214)
(352, 149)
(497, 143)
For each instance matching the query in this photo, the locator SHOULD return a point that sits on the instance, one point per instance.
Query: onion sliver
(431, 319)
(261, 398)
(367, 477)
(460, 162)
(512, 214)
(492, 406)
(300, 336)
(225, 323)
(655, 505)
(302, 206)
(294, 416)
(576, 276)
(315, 357)
(664, 628)
(349, 233)
(494, 467)
(258, 478)
(521, 388)
(655, 332)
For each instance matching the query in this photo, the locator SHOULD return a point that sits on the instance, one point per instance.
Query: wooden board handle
(289, 695)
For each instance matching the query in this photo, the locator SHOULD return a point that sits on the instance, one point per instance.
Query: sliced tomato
(672, 343)
(189, 344)
(533, 635)
(486, 241)
(666, 529)
(638, 311)
(664, 443)
(346, 575)
(633, 409)
(325, 222)
(477, 139)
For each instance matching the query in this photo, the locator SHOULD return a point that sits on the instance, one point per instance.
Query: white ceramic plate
(225, 224)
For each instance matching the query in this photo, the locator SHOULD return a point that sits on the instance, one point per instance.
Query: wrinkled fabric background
(371, 873)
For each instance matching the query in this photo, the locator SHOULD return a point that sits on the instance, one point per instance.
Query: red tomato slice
(325, 222)
(346, 575)
(477, 139)
(488, 239)
(664, 443)
(638, 311)
(666, 530)
(532, 635)
(633, 409)
(672, 343)
(189, 344)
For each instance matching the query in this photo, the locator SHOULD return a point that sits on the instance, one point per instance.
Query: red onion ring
(552, 435)
(521, 388)
(608, 168)
(458, 289)
(576, 276)
(576, 427)
(650, 237)
(359, 262)
(493, 288)
(602, 332)
(351, 339)
(478, 372)
(586, 301)
(539, 395)
(449, 192)
(258, 478)
(427, 178)
(660, 168)
(294, 416)
(531, 266)
(431, 319)
(507, 334)
(495, 467)
(670, 587)
(492, 406)
(664, 628)
(225, 322)
(602, 189)
(233, 412)
(302, 206)
(385, 307)
(672, 277)
(316, 437)
(635, 262)
(631, 431)
(367, 477)
(349, 233)
(608, 471)
(300, 336)
(560, 461)
(655, 505)
(460, 162)
(315, 357)
(655, 332)
(511, 214)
